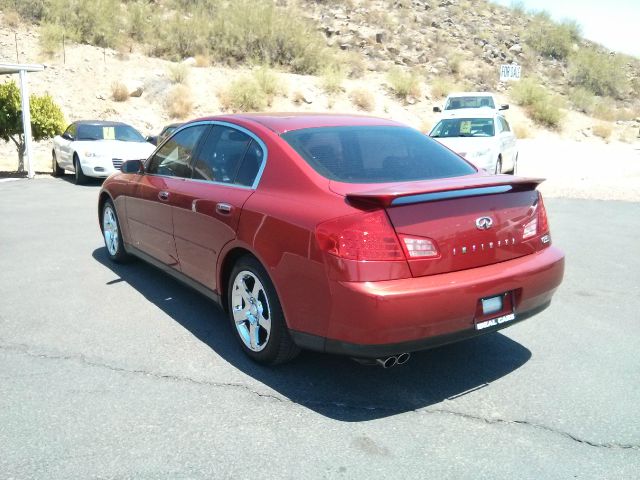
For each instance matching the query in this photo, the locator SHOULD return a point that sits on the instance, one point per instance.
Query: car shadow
(90, 181)
(336, 387)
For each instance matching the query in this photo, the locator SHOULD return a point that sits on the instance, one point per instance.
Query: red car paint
(341, 304)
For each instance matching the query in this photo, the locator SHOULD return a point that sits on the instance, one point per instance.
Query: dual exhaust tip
(386, 362)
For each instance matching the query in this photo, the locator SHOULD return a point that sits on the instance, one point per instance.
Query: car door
(149, 206)
(207, 209)
(65, 146)
(509, 144)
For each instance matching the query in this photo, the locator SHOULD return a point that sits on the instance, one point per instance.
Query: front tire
(79, 177)
(498, 166)
(111, 233)
(56, 171)
(256, 314)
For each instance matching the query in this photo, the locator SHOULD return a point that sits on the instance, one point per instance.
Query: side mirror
(132, 166)
(437, 109)
(67, 136)
(504, 107)
(152, 140)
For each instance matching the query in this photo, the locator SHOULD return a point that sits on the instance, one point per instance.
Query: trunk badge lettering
(484, 223)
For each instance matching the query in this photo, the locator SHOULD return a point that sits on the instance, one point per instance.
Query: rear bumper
(371, 319)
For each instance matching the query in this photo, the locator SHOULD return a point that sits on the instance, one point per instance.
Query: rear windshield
(464, 127)
(124, 133)
(455, 103)
(375, 154)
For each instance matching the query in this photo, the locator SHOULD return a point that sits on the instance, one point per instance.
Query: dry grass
(178, 73)
(441, 87)
(521, 131)
(603, 131)
(270, 82)
(119, 92)
(404, 84)
(11, 18)
(363, 99)
(179, 102)
(331, 80)
(202, 61)
(244, 95)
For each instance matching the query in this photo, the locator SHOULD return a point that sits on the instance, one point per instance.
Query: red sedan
(343, 234)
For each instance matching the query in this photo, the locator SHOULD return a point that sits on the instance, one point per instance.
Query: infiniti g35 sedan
(96, 148)
(342, 234)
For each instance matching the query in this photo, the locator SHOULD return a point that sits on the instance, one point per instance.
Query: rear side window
(375, 154)
(228, 156)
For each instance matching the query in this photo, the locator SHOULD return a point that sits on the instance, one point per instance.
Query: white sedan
(464, 100)
(482, 137)
(97, 149)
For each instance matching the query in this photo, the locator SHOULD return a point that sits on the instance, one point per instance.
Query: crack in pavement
(26, 350)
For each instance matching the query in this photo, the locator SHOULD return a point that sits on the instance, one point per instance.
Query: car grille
(117, 163)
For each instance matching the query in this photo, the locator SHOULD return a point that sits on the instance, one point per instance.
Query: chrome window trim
(253, 136)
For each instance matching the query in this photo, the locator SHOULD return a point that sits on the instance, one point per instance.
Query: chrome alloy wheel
(251, 312)
(110, 230)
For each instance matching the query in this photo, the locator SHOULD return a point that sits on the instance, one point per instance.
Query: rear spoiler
(430, 191)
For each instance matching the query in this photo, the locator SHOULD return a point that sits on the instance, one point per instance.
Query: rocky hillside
(387, 58)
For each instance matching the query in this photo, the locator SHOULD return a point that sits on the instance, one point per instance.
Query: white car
(94, 148)
(464, 100)
(483, 137)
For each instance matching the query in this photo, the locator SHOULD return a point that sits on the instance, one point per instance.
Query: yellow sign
(465, 126)
(109, 133)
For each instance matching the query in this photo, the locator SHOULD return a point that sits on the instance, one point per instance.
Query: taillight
(364, 236)
(539, 225)
(418, 247)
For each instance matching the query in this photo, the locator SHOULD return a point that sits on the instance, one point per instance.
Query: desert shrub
(602, 130)
(119, 92)
(331, 80)
(51, 38)
(31, 10)
(178, 72)
(441, 87)
(604, 109)
(582, 99)
(527, 91)
(552, 39)
(244, 94)
(403, 84)
(363, 99)
(599, 73)
(179, 102)
(542, 107)
(354, 64)
(202, 61)
(454, 62)
(269, 82)
(11, 18)
(521, 130)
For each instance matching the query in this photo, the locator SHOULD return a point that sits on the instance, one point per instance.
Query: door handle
(224, 208)
(164, 196)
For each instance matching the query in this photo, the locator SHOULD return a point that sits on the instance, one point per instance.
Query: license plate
(495, 321)
(491, 305)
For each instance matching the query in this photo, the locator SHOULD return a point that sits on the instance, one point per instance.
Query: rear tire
(256, 314)
(112, 234)
(56, 171)
(80, 178)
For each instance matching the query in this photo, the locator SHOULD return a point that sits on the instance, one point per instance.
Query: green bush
(600, 73)
(269, 82)
(552, 39)
(546, 112)
(527, 91)
(332, 78)
(51, 36)
(244, 94)
(542, 107)
(403, 84)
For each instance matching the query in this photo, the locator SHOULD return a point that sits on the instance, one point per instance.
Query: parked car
(457, 101)
(164, 133)
(482, 137)
(343, 234)
(95, 148)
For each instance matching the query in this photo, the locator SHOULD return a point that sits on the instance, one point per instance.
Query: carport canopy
(22, 69)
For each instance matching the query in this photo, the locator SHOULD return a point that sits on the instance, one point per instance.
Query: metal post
(26, 122)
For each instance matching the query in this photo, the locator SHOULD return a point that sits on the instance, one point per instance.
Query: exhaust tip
(403, 358)
(387, 362)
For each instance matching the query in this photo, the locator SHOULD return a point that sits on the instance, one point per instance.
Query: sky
(613, 23)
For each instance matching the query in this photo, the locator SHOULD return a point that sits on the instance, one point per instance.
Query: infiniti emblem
(484, 223)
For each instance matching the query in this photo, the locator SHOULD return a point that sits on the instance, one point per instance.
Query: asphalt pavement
(111, 371)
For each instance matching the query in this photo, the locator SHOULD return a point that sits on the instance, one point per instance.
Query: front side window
(375, 154)
(174, 157)
(464, 127)
(228, 156)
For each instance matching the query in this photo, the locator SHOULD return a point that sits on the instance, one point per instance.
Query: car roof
(482, 112)
(471, 94)
(285, 122)
(101, 123)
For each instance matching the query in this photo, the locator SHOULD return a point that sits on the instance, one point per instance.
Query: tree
(47, 119)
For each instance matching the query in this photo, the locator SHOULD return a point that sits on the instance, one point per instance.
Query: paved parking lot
(120, 372)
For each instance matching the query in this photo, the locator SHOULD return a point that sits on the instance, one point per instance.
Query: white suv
(457, 101)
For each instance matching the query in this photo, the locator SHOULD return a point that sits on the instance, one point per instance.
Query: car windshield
(455, 103)
(376, 154)
(123, 133)
(464, 127)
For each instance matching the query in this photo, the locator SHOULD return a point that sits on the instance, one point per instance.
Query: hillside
(388, 58)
